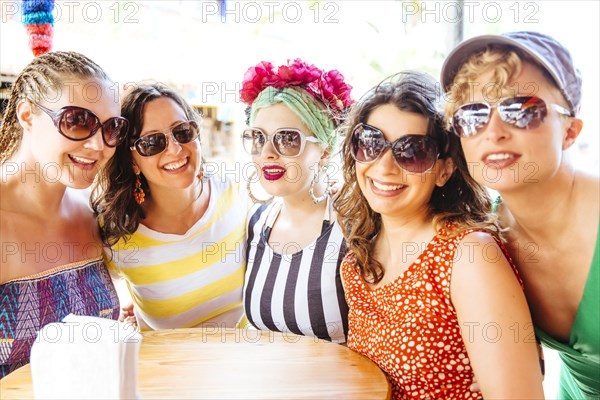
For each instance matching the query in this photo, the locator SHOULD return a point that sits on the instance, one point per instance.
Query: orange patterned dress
(409, 326)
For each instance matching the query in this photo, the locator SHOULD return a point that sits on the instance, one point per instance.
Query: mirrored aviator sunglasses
(156, 143)
(413, 153)
(287, 142)
(523, 112)
(78, 123)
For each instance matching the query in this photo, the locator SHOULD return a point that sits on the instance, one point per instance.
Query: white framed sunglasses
(287, 142)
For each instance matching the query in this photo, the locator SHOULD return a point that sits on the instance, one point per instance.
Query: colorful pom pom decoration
(39, 22)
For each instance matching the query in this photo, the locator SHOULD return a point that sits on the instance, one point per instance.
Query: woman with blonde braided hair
(60, 127)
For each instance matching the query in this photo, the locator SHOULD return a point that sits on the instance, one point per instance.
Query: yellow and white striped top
(179, 281)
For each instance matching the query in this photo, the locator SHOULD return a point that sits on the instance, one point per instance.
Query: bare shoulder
(479, 257)
(12, 214)
(587, 187)
(9, 202)
(482, 277)
(476, 239)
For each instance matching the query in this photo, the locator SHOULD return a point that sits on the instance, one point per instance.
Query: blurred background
(203, 48)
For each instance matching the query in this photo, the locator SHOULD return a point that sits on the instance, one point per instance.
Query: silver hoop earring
(315, 179)
(252, 197)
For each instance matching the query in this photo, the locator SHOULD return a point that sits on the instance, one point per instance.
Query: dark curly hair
(118, 213)
(461, 201)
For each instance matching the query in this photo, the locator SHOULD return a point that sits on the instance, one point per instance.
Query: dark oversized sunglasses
(287, 142)
(156, 143)
(413, 153)
(78, 123)
(523, 112)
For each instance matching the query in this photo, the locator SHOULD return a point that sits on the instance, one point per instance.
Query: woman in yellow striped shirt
(174, 233)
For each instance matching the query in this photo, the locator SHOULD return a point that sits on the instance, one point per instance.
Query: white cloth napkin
(85, 358)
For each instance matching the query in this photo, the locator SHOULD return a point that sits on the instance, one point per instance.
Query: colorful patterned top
(409, 326)
(30, 302)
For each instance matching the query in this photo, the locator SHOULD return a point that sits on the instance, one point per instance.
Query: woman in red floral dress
(434, 299)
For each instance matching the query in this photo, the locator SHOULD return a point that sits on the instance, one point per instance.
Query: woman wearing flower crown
(176, 234)
(294, 243)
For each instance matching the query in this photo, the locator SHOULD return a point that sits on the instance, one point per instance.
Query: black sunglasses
(413, 153)
(78, 123)
(523, 112)
(156, 143)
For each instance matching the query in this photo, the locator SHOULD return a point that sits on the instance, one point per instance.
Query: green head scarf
(316, 118)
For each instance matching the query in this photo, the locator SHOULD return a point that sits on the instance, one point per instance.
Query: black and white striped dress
(299, 292)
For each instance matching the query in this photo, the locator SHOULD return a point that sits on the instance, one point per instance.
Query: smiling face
(504, 157)
(58, 158)
(179, 165)
(389, 189)
(285, 176)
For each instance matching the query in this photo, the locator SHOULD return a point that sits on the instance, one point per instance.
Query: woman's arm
(495, 321)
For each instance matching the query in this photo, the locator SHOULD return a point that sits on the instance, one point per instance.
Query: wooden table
(213, 363)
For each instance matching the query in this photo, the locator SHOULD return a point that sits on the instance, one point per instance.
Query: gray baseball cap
(549, 53)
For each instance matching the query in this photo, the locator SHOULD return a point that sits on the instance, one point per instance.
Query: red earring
(138, 192)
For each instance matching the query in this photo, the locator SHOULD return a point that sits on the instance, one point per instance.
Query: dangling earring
(138, 192)
(249, 189)
(315, 179)
(201, 174)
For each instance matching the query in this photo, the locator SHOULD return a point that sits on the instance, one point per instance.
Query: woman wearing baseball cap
(513, 99)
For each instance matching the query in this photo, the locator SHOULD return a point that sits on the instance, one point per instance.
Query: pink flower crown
(328, 87)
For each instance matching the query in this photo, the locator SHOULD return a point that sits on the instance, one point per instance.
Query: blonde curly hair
(504, 63)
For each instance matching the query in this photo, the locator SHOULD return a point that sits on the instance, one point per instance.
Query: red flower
(334, 91)
(297, 73)
(256, 79)
(327, 87)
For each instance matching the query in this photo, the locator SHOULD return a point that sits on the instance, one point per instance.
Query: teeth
(174, 165)
(499, 156)
(386, 188)
(274, 171)
(81, 160)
